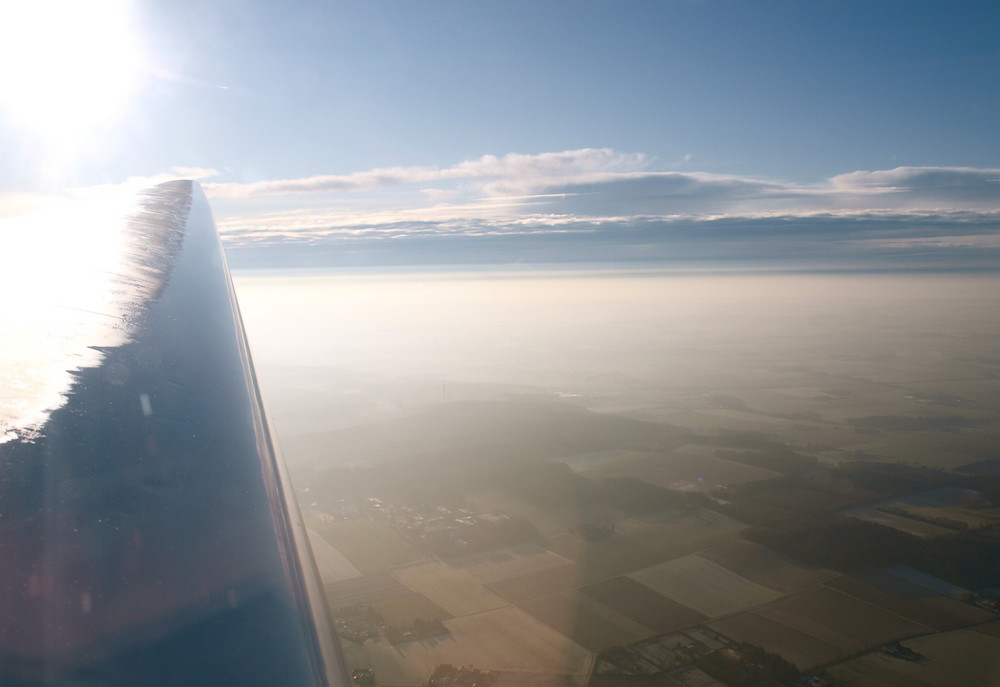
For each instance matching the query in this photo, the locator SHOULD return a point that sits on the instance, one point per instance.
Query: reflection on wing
(147, 532)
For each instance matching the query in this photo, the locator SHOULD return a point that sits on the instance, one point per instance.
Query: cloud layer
(599, 204)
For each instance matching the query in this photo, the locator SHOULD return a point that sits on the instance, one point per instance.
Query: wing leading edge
(148, 532)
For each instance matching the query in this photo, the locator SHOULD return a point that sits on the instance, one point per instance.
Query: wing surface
(148, 533)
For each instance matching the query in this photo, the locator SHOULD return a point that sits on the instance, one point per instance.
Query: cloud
(542, 166)
(859, 240)
(966, 185)
(599, 204)
(663, 193)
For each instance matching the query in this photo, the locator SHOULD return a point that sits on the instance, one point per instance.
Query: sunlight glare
(70, 67)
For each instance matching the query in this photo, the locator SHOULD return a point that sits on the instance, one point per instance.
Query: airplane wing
(148, 532)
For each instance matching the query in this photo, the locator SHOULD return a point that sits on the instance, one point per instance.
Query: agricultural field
(969, 657)
(459, 594)
(402, 611)
(841, 619)
(705, 586)
(536, 584)
(672, 534)
(366, 589)
(765, 567)
(798, 647)
(585, 620)
(912, 602)
(641, 542)
(642, 605)
(950, 506)
(370, 546)
(508, 562)
(902, 523)
(332, 565)
(501, 639)
(603, 558)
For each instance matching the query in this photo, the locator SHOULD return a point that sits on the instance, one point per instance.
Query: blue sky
(406, 126)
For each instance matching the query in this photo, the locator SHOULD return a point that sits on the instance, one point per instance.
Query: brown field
(633, 681)
(367, 589)
(642, 605)
(501, 639)
(641, 542)
(844, 644)
(705, 586)
(950, 503)
(938, 612)
(332, 565)
(866, 625)
(604, 558)
(763, 566)
(585, 621)
(402, 611)
(370, 546)
(795, 646)
(512, 561)
(690, 676)
(672, 534)
(918, 528)
(970, 658)
(457, 593)
(541, 583)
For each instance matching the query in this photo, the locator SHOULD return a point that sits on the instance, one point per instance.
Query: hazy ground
(564, 400)
(896, 366)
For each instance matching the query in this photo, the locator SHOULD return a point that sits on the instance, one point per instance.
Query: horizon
(835, 135)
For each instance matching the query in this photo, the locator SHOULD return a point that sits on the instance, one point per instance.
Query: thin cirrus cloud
(598, 204)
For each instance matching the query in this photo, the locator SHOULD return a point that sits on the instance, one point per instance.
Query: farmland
(332, 564)
(402, 611)
(705, 586)
(967, 657)
(919, 528)
(796, 646)
(366, 589)
(370, 546)
(512, 561)
(763, 566)
(642, 605)
(457, 593)
(501, 639)
(541, 583)
(585, 620)
(896, 595)
(848, 622)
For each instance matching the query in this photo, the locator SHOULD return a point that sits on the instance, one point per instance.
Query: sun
(70, 67)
